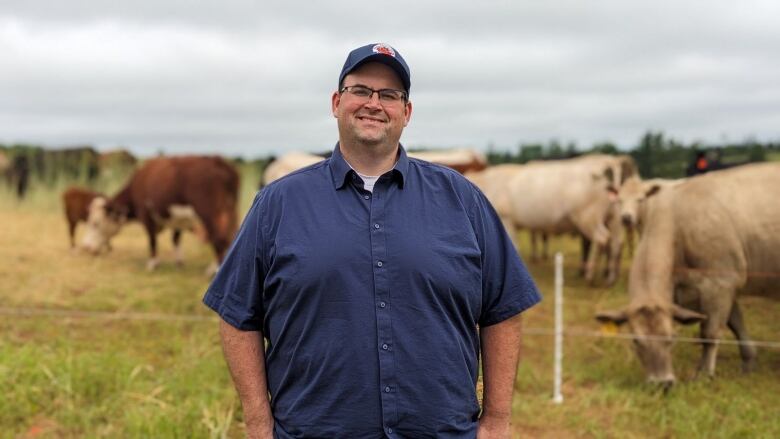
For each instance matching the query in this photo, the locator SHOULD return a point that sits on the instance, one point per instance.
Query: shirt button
(366, 197)
(382, 304)
(385, 347)
(389, 430)
(387, 389)
(379, 264)
(376, 226)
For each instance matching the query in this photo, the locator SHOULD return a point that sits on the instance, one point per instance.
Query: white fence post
(557, 396)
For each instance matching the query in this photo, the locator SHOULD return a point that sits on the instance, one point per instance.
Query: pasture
(121, 352)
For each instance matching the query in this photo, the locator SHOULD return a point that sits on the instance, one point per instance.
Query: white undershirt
(368, 181)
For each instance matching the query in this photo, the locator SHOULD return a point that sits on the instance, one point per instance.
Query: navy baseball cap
(377, 52)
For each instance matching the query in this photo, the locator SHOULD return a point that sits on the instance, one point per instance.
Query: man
(367, 275)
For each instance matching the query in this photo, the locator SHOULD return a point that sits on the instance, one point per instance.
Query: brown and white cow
(562, 196)
(462, 160)
(173, 192)
(704, 242)
(77, 202)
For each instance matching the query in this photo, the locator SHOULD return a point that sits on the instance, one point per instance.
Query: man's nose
(374, 101)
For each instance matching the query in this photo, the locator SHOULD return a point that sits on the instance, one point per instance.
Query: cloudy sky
(251, 78)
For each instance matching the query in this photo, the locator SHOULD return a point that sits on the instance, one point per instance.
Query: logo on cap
(384, 49)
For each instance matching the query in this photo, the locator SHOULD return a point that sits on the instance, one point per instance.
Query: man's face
(372, 121)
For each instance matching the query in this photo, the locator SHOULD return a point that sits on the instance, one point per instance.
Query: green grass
(95, 377)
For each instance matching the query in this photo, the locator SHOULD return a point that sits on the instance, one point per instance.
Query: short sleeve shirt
(370, 303)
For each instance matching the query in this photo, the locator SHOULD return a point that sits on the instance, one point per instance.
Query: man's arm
(245, 356)
(500, 356)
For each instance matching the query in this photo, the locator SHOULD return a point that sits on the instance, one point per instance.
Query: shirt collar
(341, 171)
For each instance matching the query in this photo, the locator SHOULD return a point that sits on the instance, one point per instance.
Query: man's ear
(335, 100)
(408, 116)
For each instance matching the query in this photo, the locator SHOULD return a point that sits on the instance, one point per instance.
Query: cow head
(103, 223)
(652, 325)
(631, 196)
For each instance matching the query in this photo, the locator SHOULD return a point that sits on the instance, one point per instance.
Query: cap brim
(387, 60)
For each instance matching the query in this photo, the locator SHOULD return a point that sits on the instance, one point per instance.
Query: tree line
(656, 155)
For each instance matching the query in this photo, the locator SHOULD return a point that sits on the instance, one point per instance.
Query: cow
(463, 160)
(631, 197)
(5, 164)
(562, 196)
(704, 242)
(286, 164)
(20, 175)
(173, 192)
(76, 202)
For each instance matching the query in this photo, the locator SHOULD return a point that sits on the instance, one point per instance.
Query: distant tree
(532, 151)
(605, 148)
(554, 150)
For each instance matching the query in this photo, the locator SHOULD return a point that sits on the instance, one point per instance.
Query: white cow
(562, 196)
(704, 242)
(631, 200)
(288, 163)
(632, 195)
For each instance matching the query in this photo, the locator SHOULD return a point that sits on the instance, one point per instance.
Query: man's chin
(370, 140)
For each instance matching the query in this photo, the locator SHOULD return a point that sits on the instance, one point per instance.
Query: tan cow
(631, 197)
(462, 160)
(286, 164)
(561, 196)
(704, 242)
(173, 192)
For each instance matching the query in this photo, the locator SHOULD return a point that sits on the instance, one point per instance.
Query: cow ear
(616, 317)
(610, 174)
(627, 169)
(686, 316)
(652, 190)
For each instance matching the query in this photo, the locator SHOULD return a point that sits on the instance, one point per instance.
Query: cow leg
(151, 230)
(746, 348)
(177, 248)
(72, 234)
(545, 246)
(710, 331)
(585, 246)
(534, 247)
(592, 259)
(613, 259)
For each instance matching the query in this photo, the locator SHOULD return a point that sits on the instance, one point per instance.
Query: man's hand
(245, 356)
(494, 428)
(260, 431)
(500, 355)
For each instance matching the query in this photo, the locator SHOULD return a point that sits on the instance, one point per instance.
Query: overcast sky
(251, 78)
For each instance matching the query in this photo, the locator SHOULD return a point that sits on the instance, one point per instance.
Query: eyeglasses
(386, 95)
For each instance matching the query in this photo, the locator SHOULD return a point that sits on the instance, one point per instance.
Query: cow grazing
(173, 192)
(462, 160)
(286, 164)
(76, 202)
(703, 243)
(561, 196)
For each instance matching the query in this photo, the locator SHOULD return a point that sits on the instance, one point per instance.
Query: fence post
(557, 396)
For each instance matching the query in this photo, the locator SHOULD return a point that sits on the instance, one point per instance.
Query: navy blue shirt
(370, 302)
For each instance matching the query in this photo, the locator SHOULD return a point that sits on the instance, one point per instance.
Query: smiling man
(360, 291)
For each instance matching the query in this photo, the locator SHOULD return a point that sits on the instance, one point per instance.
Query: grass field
(146, 375)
